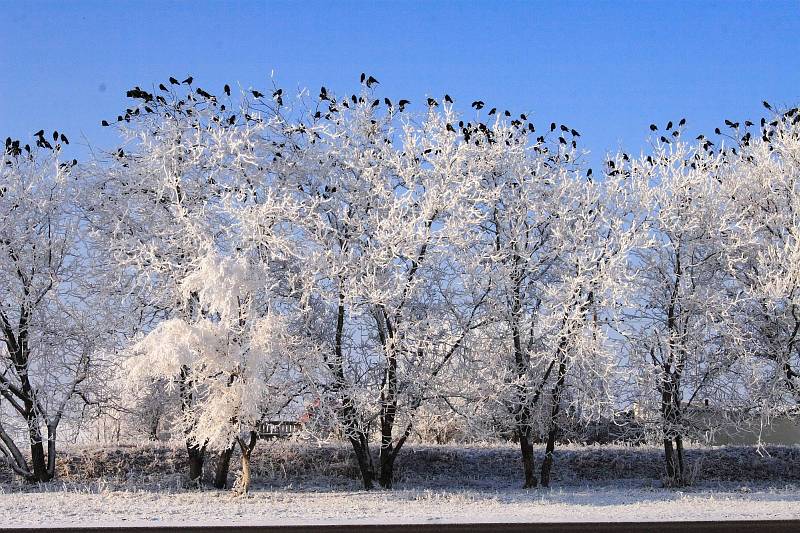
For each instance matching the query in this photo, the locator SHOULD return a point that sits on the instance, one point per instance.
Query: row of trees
(238, 258)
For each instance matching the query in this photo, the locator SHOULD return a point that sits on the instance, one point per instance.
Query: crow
(174, 81)
(653, 127)
(402, 104)
(162, 87)
(371, 81)
(257, 94)
(432, 102)
(188, 81)
(478, 104)
(493, 111)
(227, 89)
(448, 99)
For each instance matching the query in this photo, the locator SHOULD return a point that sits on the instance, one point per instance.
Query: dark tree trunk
(528, 460)
(387, 470)
(547, 463)
(222, 468)
(361, 449)
(196, 457)
(669, 456)
(38, 460)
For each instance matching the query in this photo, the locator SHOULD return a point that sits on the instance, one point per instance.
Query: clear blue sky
(606, 68)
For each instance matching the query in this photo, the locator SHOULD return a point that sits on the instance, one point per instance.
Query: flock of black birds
(471, 132)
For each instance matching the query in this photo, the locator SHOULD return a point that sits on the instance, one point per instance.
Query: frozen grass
(280, 463)
(305, 483)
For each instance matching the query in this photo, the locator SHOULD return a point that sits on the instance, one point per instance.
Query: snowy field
(305, 484)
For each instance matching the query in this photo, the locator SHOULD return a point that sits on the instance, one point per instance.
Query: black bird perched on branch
(552, 126)
(371, 81)
(432, 102)
(162, 87)
(653, 127)
(104, 123)
(448, 99)
(766, 104)
(478, 104)
(493, 111)
(363, 77)
(188, 81)
(323, 93)
(257, 94)
(682, 122)
(227, 89)
(403, 103)
(669, 125)
(174, 81)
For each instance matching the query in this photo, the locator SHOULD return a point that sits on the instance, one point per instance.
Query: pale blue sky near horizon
(606, 68)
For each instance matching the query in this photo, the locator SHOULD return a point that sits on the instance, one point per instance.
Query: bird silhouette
(766, 104)
(478, 104)
(402, 104)
(64, 139)
(669, 125)
(257, 94)
(552, 126)
(450, 127)
(432, 102)
(371, 81)
(653, 127)
(448, 99)
(682, 122)
(174, 81)
(493, 111)
(363, 77)
(387, 102)
(188, 81)
(227, 89)
(162, 87)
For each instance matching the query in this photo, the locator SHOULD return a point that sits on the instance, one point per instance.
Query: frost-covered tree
(51, 328)
(763, 186)
(682, 327)
(557, 243)
(387, 232)
(168, 208)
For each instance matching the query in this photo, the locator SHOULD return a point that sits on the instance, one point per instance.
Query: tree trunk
(387, 468)
(246, 449)
(528, 460)
(196, 457)
(38, 462)
(681, 469)
(547, 463)
(361, 449)
(669, 457)
(245, 481)
(222, 468)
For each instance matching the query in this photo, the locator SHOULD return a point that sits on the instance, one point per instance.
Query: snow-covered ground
(271, 507)
(299, 483)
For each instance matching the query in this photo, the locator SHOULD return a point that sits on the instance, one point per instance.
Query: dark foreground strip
(749, 526)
